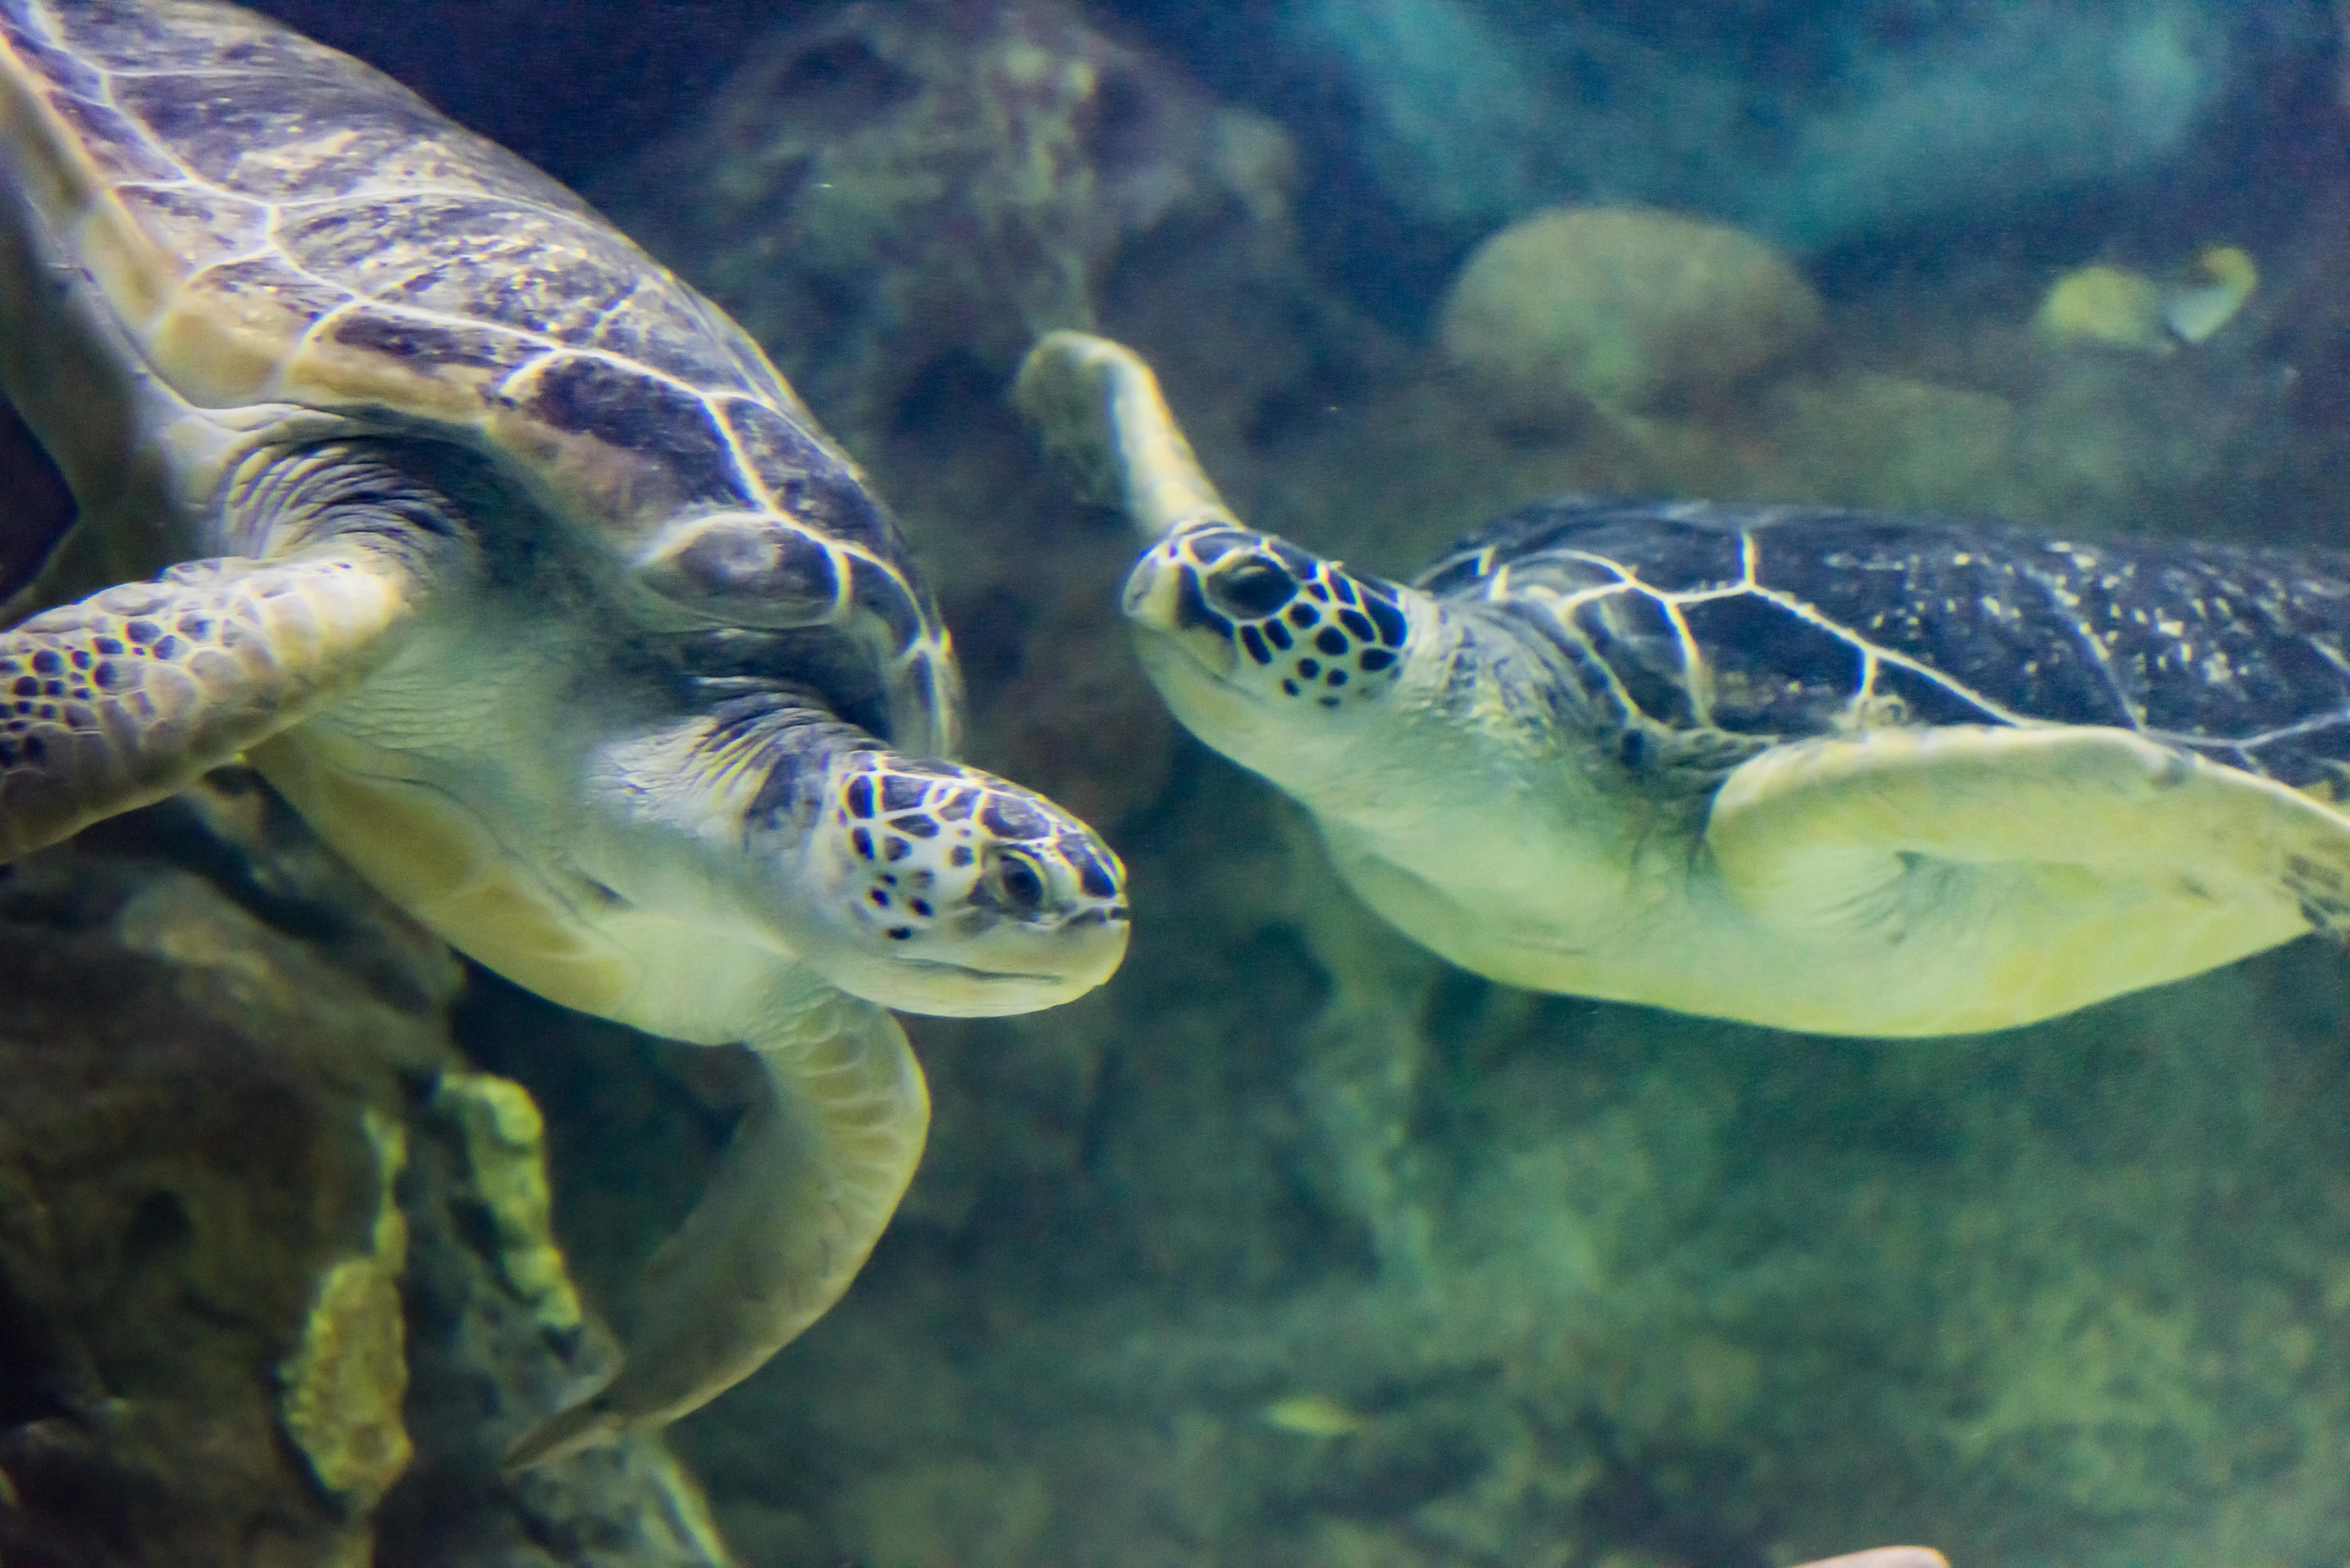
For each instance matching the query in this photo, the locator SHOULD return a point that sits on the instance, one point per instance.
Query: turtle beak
(1164, 599)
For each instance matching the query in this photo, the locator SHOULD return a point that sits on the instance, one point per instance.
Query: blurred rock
(1625, 307)
(1878, 440)
(891, 195)
(2108, 305)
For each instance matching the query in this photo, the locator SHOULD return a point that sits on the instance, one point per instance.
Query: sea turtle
(516, 567)
(1823, 770)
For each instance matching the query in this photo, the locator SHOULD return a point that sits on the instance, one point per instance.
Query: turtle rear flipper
(811, 1178)
(122, 697)
(2105, 859)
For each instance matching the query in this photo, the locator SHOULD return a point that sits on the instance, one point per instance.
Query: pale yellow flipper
(125, 697)
(805, 1189)
(2100, 860)
(1100, 411)
(1800, 828)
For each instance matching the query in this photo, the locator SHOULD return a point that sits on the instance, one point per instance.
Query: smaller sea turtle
(1817, 769)
(515, 565)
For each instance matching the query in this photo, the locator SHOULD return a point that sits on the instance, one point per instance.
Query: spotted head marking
(1264, 615)
(970, 894)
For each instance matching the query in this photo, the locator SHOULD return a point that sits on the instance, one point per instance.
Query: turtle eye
(1017, 881)
(1253, 588)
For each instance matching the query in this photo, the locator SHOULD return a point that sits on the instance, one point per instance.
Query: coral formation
(498, 1338)
(504, 1159)
(343, 1386)
(1625, 307)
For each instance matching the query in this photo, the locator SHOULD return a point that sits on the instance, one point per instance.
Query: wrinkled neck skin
(705, 813)
(1449, 806)
(707, 816)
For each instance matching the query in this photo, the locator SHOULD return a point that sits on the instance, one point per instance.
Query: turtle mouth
(1202, 681)
(1217, 655)
(1163, 598)
(987, 976)
(953, 990)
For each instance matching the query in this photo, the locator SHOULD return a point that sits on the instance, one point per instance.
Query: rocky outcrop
(276, 1280)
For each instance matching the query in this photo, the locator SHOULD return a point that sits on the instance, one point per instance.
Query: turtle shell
(1736, 626)
(272, 223)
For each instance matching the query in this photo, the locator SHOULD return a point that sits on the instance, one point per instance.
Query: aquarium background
(1293, 1246)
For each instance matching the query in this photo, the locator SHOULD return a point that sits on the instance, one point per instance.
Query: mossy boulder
(1628, 308)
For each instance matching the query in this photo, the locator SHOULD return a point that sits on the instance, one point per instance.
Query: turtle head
(1248, 636)
(940, 889)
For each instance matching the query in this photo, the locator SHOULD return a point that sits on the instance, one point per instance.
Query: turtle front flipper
(125, 697)
(812, 1176)
(2069, 864)
(1100, 411)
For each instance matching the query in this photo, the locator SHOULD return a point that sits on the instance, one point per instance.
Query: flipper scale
(124, 697)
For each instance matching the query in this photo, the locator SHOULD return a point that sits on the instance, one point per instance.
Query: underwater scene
(1417, 783)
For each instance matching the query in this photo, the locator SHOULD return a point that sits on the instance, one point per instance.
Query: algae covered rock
(273, 1290)
(504, 1143)
(497, 1336)
(197, 1202)
(343, 1386)
(1628, 308)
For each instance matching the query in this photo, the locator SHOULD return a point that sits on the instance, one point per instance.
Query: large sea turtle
(1823, 770)
(516, 566)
